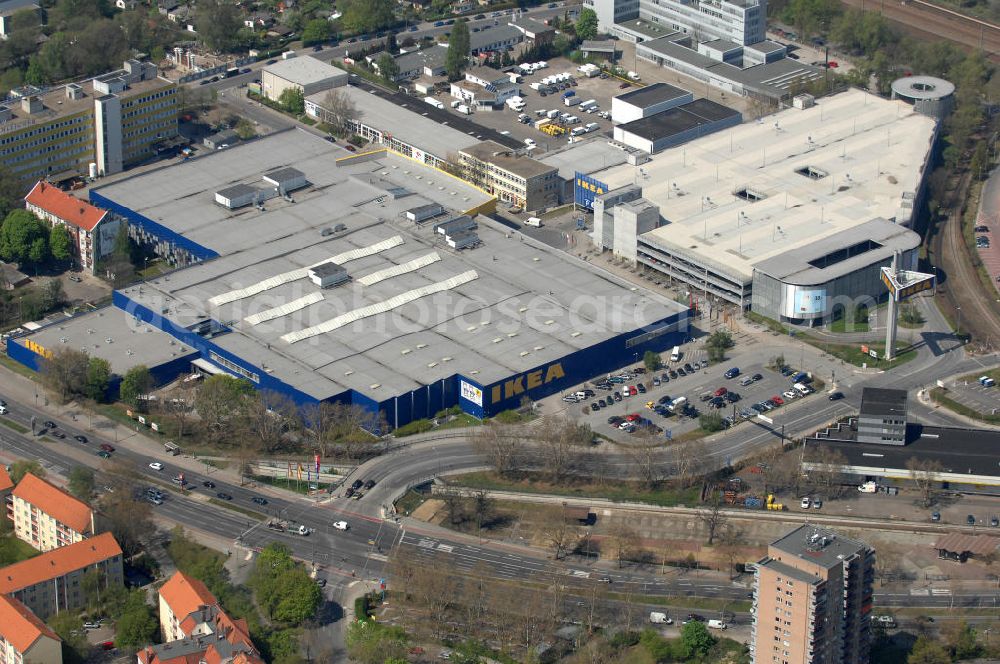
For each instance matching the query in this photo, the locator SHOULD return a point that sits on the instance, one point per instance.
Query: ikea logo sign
(527, 381)
(586, 189)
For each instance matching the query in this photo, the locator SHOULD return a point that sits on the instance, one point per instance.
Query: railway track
(933, 21)
(963, 290)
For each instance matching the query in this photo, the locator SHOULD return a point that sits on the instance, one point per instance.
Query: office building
(92, 230)
(112, 121)
(305, 73)
(813, 599)
(53, 581)
(24, 639)
(882, 419)
(46, 517)
(518, 180)
(791, 217)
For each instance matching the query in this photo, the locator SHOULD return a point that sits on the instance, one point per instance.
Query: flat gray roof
(504, 157)
(304, 69)
(679, 119)
(788, 571)
(881, 401)
(805, 542)
(406, 123)
(766, 46)
(586, 156)
(237, 190)
(8, 7)
(432, 57)
(652, 94)
(598, 46)
(722, 45)
(795, 266)
(111, 334)
(648, 29)
(505, 321)
(494, 35)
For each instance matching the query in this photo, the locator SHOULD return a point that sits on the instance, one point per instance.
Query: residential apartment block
(53, 581)
(46, 517)
(518, 180)
(812, 600)
(113, 121)
(24, 639)
(93, 230)
(196, 629)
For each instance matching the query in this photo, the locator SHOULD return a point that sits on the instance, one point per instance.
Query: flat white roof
(868, 157)
(304, 70)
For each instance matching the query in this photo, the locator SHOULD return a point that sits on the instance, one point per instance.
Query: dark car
(104, 455)
(321, 583)
(80, 438)
(673, 374)
(664, 399)
(836, 396)
(982, 229)
(259, 500)
(317, 48)
(49, 424)
(787, 371)
(479, 17)
(369, 484)
(618, 396)
(438, 24)
(935, 516)
(757, 377)
(271, 62)
(594, 406)
(413, 28)
(623, 86)
(208, 484)
(57, 434)
(224, 496)
(641, 388)
(245, 70)
(733, 372)
(357, 484)
(971, 520)
(688, 368)
(732, 397)
(694, 617)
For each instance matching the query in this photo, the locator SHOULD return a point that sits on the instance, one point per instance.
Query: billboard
(810, 301)
(470, 392)
(586, 189)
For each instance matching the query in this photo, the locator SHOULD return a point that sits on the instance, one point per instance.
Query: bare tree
(689, 461)
(503, 445)
(559, 443)
(625, 542)
(924, 474)
(64, 372)
(732, 540)
(483, 508)
(319, 421)
(269, 416)
(826, 472)
(559, 534)
(648, 459)
(712, 516)
(339, 111)
(454, 505)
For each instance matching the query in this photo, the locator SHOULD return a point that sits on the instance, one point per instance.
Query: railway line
(930, 20)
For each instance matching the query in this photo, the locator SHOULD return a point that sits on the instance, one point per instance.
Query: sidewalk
(73, 416)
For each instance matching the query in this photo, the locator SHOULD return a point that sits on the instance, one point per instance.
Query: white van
(802, 389)
(675, 354)
(716, 624)
(677, 404)
(534, 221)
(659, 618)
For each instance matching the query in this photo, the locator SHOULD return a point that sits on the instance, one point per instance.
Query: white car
(530, 142)
(806, 502)
(790, 395)
(340, 525)
(156, 465)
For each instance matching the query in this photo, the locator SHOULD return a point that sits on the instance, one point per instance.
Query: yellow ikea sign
(527, 381)
(38, 349)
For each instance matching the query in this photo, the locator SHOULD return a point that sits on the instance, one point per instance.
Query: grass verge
(13, 425)
(851, 353)
(298, 486)
(620, 492)
(13, 550)
(17, 367)
(940, 396)
(236, 508)
(410, 501)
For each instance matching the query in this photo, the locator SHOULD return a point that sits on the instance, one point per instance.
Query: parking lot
(703, 382)
(600, 90)
(969, 392)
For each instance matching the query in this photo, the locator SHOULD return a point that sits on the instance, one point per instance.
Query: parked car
(836, 396)
(733, 372)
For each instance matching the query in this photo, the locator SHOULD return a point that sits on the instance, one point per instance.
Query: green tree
(457, 56)
(245, 129)
(69, 627)
(316, 31)
(367, 15)
(136, 382)
(24, 238)
(961, 639)
(220, 399)
(81, 483)
(928, 651)
(716, 345)
(293, 101)
(11, 192)
(98, 379)
(696, 639)
(136, 627)
(22, 467)
(651, 361)
(370, 642)
(586, 25)
(218, 22)
(60, 243)
(282, 587)
(710, 421)
(387, 67)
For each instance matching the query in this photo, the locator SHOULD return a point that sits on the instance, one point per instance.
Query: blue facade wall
(153, 228)
(584, 364)
(17, 351)
(586, 189)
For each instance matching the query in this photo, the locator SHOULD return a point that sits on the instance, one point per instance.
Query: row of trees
(71, 374)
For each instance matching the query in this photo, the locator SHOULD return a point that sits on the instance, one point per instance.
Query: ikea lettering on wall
(471, 393)
(524, 382)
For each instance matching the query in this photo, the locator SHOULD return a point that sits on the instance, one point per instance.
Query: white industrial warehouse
(782, 187)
